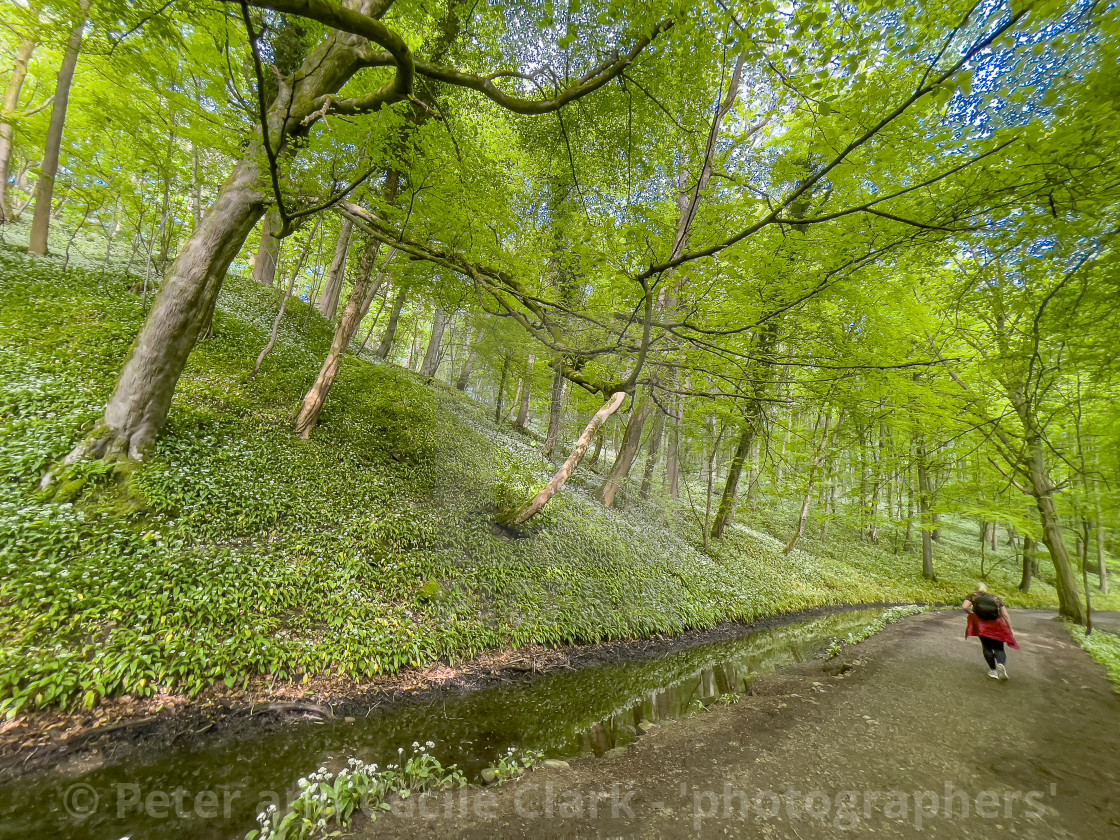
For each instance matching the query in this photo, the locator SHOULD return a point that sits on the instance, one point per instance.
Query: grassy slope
(239, 550)
(1104, 647)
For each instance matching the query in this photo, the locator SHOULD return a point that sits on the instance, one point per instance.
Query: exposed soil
(124, 727)
(894, 738)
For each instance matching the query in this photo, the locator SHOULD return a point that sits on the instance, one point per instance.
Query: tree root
(103, 444)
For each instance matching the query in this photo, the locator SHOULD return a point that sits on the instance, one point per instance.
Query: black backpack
(985, 606)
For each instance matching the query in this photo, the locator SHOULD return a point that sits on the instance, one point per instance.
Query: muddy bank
(123, 727)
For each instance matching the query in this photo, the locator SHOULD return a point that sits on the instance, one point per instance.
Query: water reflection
(564, 714)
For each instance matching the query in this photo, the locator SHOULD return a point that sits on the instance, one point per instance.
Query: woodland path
(901, 732)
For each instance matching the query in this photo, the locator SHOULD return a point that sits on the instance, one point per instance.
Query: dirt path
(897, 737)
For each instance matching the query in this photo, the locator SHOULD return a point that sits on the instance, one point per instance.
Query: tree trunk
(501, 389)
(44, 189)
(726, 513)
(624, 460)
(1033, 463)
(1069, 604)
(711, 473)
(831, 478)
(1102, 570)
(138, 408)
(598, 449)
(7, 130)
(877, 454)
(522, 421)
(386, 345)
(468, 366)
(328, 302)
(164, 231)
(655, 434)
(1086, 527)
(432, 356)
(925, 495)
(362, 295)
(673, 459)
(780, 469)
(555, 413)
(206, 325)
(755, 475)
(1028, 564)
(907, 541)
(560, 478)
(511, 411)
(196, 186)
(889, 482)
(414, 346)
(268, 252)
(864, 478)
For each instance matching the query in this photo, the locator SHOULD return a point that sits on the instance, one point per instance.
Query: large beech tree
(357, 40)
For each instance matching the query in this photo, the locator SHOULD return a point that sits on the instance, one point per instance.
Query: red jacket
(997, 629)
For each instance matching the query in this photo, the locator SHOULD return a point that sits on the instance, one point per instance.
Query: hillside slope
(240, 551)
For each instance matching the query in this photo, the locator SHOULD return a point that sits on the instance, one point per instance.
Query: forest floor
(904, 734)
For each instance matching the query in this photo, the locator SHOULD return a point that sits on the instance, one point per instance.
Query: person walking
(988, 618)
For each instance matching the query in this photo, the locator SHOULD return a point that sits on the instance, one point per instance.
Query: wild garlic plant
(326, 800)
(514, 763)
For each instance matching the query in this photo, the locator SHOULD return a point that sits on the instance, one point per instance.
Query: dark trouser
(993, 652)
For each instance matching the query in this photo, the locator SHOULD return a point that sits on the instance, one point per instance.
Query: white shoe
(1001, 671)
(994, 674)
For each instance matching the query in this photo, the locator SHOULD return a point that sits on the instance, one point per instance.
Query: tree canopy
(857, 250)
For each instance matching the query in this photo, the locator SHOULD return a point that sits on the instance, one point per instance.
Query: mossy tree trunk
(555, 413)
(726, 511)
(1103, 569)
(268, 251)
(656, 432)
(673, 456)
(138, 409)
(1028, 564)
(1032, 463)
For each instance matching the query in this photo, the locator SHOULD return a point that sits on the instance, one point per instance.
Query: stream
(217, 790)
